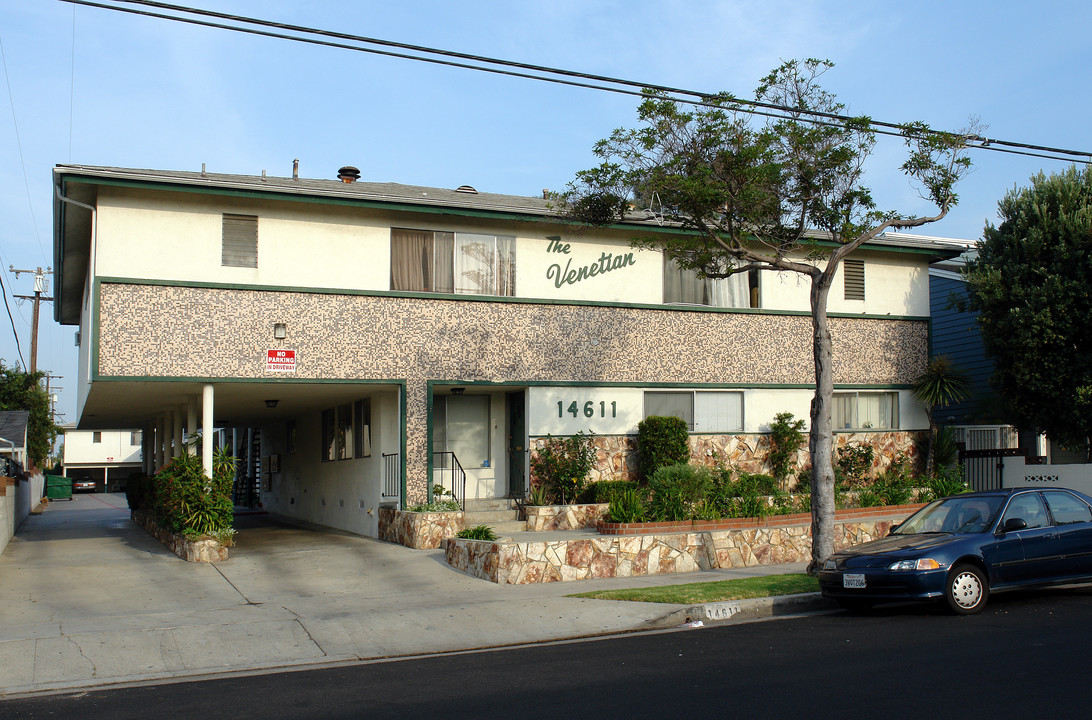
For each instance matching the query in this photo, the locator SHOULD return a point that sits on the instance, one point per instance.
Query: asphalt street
(1026, 655)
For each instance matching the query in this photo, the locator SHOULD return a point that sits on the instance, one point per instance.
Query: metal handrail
(454, 470)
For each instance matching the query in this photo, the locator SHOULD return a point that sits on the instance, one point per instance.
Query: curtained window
(446, 262)
(865, 410)
(684, 287)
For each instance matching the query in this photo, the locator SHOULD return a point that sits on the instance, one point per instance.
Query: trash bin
(58, 487)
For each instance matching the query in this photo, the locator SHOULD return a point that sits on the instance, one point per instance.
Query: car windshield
(954, 515)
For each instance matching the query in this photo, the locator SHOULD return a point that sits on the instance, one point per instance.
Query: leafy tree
(941, 384)
(1031, 288)
(786, 437)
(782, 194)
(23, 391)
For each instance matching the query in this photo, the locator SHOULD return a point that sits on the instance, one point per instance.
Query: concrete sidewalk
(87, 598)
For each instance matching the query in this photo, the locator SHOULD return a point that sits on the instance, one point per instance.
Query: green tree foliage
(786, 437)
(941, 384)
(661, 441)
(1032, 288)
(784, 193)
(24, 391)
(562, 465)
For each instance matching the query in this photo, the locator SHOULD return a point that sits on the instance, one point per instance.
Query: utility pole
(41, 286)
(51, 393)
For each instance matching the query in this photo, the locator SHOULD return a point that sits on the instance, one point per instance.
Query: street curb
(752, 609)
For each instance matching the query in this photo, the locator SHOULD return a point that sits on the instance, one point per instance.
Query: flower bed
(201, 550)
(649, 528)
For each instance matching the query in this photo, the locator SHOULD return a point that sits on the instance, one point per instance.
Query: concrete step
(489, 504)
(477, 517)
(507, 528)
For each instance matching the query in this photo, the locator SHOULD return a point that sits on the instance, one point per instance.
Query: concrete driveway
(89, 598)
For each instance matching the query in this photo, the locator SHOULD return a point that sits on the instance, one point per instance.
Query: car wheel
(967, 589)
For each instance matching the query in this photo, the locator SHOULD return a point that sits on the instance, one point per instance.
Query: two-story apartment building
(371, 330)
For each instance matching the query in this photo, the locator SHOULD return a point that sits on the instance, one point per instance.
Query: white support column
(147, 454)
(191, 419)
(207, 429)
(176, 431)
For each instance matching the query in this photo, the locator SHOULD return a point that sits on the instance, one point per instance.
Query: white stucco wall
(760, 406)
(172, 236)
(115, 448)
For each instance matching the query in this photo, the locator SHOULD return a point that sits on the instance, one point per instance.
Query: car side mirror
(1014, 524)
(893, 528)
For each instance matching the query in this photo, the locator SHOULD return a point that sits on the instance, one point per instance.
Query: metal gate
(983, 469)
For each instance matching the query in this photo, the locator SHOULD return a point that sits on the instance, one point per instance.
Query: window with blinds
(854, 279)
(240, 241)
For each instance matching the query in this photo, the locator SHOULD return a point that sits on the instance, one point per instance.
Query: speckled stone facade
(545, 518)
(419, 530)
(205, 550)
(414, 339)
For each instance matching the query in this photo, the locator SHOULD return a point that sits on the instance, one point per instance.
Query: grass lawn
(739, 589)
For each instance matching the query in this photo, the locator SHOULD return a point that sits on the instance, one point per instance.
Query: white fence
(20, 499)
(1016, 473)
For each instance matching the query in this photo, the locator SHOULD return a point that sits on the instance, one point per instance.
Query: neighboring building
(357, 329)
(106, 456)
(13, 441)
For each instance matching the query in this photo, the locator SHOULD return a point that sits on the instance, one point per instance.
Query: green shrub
(539, 495)
(751, 505)
(140, 492)
(185, 499)
(748, 484)
(562, 465)
(676, 490)
(868, 498)
(627, 506)
(478, 532)
(786, 438)
(606, 490)
(661, 441)
(945, 448)
(855, 462)
(946, 481)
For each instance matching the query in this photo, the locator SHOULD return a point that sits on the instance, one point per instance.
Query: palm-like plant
(942, 383)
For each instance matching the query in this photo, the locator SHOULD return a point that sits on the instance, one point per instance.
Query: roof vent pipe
(348, 174)
(296, 169)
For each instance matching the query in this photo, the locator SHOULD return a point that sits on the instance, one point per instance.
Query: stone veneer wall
(616, 456)
(635, 555)
(207, 550)
(509, 342)
(542, 518)
(419, 530)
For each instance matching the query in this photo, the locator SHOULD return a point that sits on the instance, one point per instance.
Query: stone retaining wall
(207, 550)
(542, 518)
(652, 554)
(419, 530)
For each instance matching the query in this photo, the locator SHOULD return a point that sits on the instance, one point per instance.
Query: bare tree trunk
(821, 438)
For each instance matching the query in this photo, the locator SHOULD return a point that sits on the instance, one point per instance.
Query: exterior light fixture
(271, 403)
(280, 331)
(457, 391)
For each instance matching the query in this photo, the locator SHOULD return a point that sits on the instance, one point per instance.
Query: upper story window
(96, 437)
(684, 287)
(853, 278)
(704, 412)
(448, 262)
(239, 246)
(136, 437)
(866, 410)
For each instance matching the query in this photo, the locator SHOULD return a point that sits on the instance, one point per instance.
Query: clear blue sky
(99, 87)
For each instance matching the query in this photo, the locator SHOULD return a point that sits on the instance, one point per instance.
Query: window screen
(716, 412)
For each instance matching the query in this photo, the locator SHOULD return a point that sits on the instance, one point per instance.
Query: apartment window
(96, 437)
(362, 427)
(853, 278)
(684, 287)
(866, 410)
(448, 262)
(703, 412)
(136, 437)
(239, 246)
(337, 433)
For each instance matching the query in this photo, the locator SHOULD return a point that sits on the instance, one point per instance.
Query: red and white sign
(280, 361)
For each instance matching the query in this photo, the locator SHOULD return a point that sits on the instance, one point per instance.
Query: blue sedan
(962, 548)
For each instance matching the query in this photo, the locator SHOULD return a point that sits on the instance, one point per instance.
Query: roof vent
(466, 189)
(348, 174)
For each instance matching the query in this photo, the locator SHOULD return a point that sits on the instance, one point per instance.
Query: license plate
(853, 581)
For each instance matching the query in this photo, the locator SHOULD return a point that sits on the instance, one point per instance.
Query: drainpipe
(90, 272)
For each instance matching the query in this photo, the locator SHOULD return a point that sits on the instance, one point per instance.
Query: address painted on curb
(721, 611)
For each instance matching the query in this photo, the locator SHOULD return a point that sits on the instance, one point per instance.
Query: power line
(584, 80)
